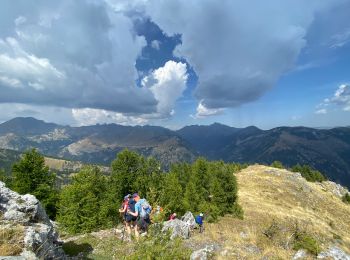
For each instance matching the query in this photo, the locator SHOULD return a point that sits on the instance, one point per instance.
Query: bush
(346, 198)
(160, 246)
(305, 241)
(277, 164)
(309, 173)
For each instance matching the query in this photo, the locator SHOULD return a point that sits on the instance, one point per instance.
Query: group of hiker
(136, 214)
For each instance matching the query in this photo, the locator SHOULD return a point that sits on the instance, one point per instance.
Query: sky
(176, 62)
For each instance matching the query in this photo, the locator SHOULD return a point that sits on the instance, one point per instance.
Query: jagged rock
(300, 254)
(178, 228)
(188, 218)
(334, 253)
(335, 188)
(204, 253)
(40, 238)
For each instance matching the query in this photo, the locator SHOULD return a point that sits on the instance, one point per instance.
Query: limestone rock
(40, 237)
(300, 254)
(188, 218)
(334, 253)
(178, 228)
(204, 253)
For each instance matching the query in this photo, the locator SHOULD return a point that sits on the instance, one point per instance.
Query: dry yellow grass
(277, 202)
(11, 240)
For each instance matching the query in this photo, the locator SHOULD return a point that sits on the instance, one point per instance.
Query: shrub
(160, 247)
(309, 173)
(346, 198)
(277, 164)
(305, 241)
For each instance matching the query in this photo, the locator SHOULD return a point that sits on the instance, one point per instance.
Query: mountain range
(327, 150)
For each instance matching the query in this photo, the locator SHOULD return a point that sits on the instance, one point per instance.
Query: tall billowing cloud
(239, 49)
(73, 54)
(166, 83)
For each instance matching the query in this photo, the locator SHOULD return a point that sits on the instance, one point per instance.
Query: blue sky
(176, 63)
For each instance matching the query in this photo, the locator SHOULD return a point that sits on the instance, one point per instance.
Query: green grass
(156, 246)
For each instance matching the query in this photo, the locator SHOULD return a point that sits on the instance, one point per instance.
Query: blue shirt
(138, 206)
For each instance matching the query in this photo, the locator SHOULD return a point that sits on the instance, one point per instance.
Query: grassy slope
(277, 198)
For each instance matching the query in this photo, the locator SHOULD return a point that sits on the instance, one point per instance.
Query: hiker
(172, 216)
(199, 221)
(142, 214)
(128, 205)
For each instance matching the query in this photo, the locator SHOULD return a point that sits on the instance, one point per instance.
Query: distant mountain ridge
(327, 150)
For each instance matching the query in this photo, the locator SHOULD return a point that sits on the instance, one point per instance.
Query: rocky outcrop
(180, 228)
(204, 253)
(40, 240)
(334, 253)
(177, 228)
(188, 218)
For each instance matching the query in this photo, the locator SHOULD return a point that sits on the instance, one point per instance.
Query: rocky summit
(25, 228)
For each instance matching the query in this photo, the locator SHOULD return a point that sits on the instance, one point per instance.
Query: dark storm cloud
(70, 54)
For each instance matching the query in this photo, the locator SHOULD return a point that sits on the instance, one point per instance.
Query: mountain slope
(94, 144)
(277, 203)
(325, 150)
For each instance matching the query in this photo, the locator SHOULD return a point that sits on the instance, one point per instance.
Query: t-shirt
(138, 206)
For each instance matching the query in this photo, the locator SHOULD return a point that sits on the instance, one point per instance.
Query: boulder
(300, 254)
(204, 253)
(188, 218)
(177, 227)
(334, 253)
(40, 237)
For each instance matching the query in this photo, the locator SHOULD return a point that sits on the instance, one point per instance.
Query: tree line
(92, 199)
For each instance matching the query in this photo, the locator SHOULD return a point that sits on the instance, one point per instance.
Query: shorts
(142, 223)
(129, 218)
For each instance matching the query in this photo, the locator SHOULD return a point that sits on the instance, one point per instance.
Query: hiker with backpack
(128, 206)
(199, 222)
(142, 214)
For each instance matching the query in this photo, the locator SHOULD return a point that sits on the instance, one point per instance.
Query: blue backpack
(145, 210)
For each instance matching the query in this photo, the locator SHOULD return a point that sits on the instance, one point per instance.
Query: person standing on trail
(199, 221)
(142, 214)
(128, 205)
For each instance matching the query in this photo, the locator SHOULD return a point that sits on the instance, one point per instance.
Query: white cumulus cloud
(167, 84)
(90, 116)
(340, 98)
(203, 111)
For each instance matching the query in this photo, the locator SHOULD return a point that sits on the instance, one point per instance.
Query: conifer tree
(171, 197)
(192, 199)
(30, 175)
(83, 204)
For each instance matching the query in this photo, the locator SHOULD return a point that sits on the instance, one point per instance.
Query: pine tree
(84, 205)
(171, 196)
(192, 199)
(30, 175)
